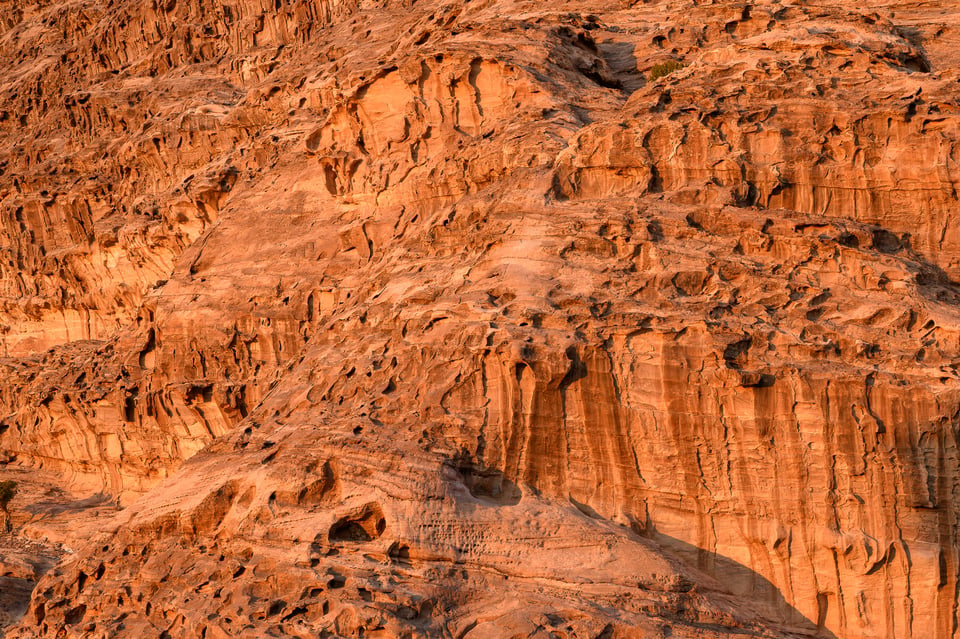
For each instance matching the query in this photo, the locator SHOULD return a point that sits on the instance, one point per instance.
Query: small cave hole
(366, 525)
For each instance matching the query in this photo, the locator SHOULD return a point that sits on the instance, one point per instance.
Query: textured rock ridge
(444, 319)
(143, 119)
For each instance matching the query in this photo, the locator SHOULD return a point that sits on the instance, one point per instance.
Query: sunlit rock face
(450, 319)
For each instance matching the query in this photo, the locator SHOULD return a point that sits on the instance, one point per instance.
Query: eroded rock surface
(467, 327)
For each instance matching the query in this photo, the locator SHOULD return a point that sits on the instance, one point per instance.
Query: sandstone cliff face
(465, 327)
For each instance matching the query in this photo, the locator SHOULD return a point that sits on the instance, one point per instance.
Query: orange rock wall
(442, 318)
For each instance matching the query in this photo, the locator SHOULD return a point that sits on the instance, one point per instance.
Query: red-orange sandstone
(429, 318)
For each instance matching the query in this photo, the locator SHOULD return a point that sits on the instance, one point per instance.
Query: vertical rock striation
(447, 319)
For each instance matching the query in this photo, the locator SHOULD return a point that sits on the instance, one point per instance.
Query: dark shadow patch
(735, 354)
(487, 484)
(399, 553)
(55, 507)
(741, 581)
(367, 524)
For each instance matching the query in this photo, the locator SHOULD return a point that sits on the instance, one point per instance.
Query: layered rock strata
(478, 330)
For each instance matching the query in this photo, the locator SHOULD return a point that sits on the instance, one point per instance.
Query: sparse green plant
(662, 69)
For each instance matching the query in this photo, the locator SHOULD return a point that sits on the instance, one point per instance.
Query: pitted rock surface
(444, 318)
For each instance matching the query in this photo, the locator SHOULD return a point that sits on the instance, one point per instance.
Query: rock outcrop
(446, 318)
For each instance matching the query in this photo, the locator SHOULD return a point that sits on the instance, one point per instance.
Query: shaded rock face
(443, 319)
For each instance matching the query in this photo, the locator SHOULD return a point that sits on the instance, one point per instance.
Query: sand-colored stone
(403, 319)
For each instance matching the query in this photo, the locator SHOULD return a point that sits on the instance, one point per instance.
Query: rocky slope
(400, 319)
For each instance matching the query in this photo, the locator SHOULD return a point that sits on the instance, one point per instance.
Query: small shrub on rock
(662, 69)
